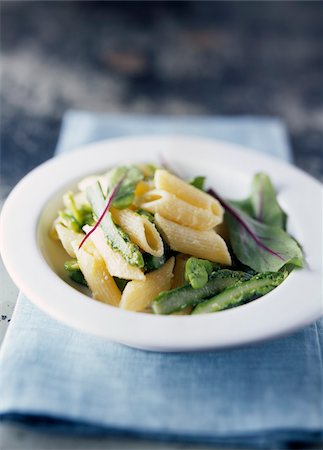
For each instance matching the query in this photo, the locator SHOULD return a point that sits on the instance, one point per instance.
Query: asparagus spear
(177, 299)
(115, 236)
(242, 292)
(74, 271)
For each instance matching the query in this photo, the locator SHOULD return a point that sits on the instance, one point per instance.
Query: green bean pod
(177, 299)
(242, 292)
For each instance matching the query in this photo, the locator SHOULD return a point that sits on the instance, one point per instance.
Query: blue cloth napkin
(264, 396)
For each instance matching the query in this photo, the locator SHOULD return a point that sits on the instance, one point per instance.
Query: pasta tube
(115, 262)
(190, 194)
(67, 236)
(202, 244)
(138, 295)
(173, 208)
(142, 187)
(140, 230)
(95, 272)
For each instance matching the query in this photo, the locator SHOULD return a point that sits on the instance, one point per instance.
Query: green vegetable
(177, 299)
(197, 272)
(262, 247)
(198, 182)
(121, 283)
(262, 204)
(242, 292)
(75, 217)
(147, 214)
(69, 221)
(259, 245)
(74, 271)
(70, 204)
(116, 237)
(153, 262)
(126, 193)
(148, 170)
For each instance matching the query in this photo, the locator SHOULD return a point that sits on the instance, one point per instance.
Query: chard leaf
(264, 202)
(198, 182)
(262, 247)
(132, 175)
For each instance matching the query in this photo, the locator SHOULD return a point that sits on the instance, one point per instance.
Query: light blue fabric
(264, 396)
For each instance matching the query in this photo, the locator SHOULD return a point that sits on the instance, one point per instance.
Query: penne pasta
(202, 244)
(67, 236)
(190, 194)
(140, 230)
(88, 181)
(95, 272)
(173, 208)
(143, 187)
(116, 264)
(138, 295)
(145, 215)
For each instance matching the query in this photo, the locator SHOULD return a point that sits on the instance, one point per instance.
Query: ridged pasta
(95, 272)
(138, 295)
(202, 244)
(88, 181)
(116, 264)
(143, 187)
(140, 230)
(173, 208)
(67, 236)
(190, 194)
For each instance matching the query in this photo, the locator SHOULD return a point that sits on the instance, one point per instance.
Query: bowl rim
(22, 255)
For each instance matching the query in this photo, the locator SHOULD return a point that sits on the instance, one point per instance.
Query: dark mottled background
(263, 58)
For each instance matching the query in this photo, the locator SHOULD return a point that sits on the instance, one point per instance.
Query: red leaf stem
(110, 200)
(244, 225)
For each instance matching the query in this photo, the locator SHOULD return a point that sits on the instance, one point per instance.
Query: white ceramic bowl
(35, 262)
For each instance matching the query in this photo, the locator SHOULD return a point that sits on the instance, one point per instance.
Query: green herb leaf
(116, 237)
(69, 221)
(198, 182)
(75, 216)
(121, 283)
(257, 229)
(132, 175)
(262, 204)
(262, 247)
(147, 214)
(153, 262)
(74, 271)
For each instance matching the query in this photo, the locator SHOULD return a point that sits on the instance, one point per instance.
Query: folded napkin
(263, 396)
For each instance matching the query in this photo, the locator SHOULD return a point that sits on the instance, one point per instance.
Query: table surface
(180, 58)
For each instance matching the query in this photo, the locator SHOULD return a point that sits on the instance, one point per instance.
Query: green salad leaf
(257, 229)
(132, 175)
(262, 204)
(75, 216)
(262, 247)
(198, 182)
(74, 271)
